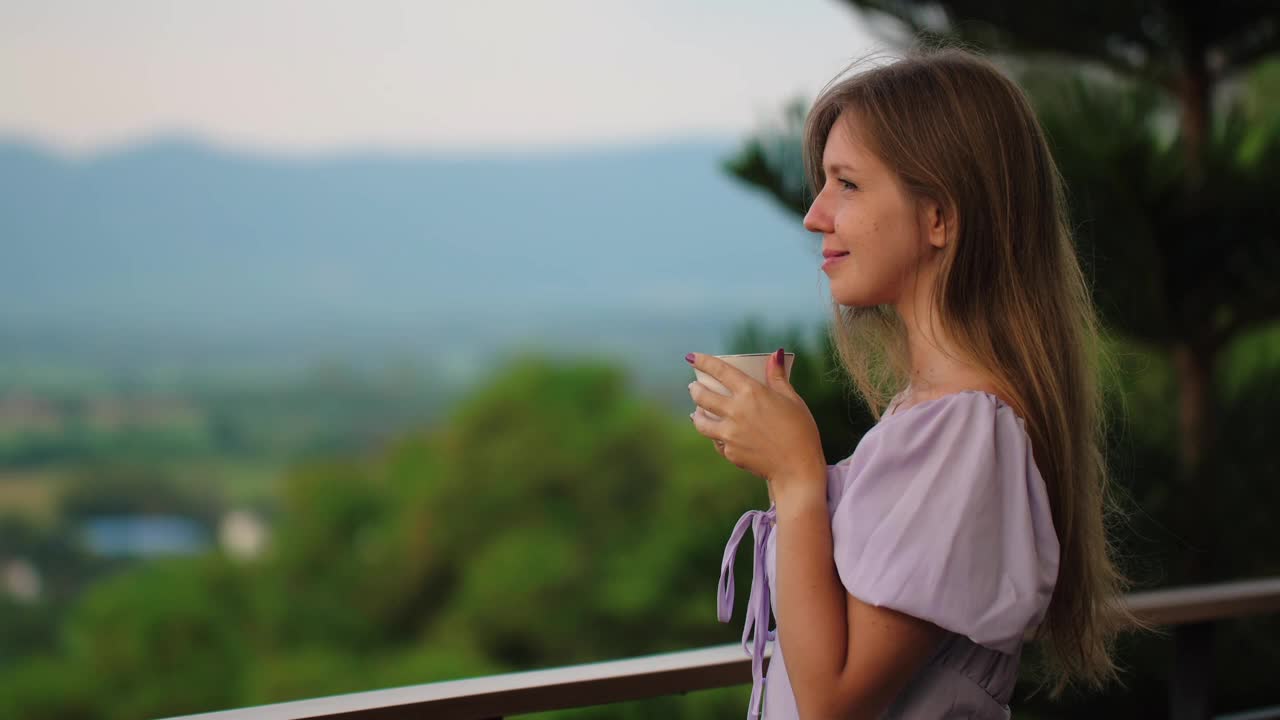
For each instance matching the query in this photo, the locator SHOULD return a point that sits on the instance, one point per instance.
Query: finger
(778, 367)
(728, 375)
(708, 399)
(706, 426)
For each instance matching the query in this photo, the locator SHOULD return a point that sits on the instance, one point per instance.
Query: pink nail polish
(689, 358)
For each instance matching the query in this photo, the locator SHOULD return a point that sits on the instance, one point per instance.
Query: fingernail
(689, 358)
(779, 357)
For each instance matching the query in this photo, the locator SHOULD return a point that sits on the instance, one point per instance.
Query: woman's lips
(833, 259)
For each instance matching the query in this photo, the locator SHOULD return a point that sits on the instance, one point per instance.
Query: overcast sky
(308, 75)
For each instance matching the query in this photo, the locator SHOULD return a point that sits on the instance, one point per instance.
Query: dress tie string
(754, 643)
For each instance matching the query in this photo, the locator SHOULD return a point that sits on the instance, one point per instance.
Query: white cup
(753, 364)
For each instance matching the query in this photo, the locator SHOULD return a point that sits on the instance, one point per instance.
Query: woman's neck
(937, 366)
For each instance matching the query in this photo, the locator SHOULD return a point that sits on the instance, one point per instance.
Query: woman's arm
(845, 658)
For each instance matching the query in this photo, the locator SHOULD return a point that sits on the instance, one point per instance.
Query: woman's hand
(765, 429)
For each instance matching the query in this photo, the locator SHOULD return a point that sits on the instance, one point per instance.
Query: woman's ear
(939, 220)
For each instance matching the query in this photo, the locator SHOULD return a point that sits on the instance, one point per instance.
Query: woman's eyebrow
(837, 168)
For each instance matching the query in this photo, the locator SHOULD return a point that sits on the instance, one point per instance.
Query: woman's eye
(845, 184)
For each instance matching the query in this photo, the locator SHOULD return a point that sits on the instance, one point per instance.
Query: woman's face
(863, 210)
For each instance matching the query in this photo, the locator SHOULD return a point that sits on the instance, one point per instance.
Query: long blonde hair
(1011, 294)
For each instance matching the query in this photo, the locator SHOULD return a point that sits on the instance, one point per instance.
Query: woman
(905, 578)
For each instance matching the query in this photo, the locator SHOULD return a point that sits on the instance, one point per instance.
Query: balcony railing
(1192, 612)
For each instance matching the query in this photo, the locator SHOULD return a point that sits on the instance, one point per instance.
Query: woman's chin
(850, 297)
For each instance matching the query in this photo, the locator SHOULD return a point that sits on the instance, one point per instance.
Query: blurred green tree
(30, 626)
(167, 638)
(562, 483)
(44, 687)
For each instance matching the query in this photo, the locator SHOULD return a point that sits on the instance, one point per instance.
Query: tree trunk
(1194, 360)
(1195, 91)
(1194, 368)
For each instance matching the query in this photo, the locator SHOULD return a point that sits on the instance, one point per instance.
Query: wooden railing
(1192, 612)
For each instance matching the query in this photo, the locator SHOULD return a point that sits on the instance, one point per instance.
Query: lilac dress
(940, 513)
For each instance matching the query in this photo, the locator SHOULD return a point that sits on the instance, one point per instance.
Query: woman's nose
(818, 220)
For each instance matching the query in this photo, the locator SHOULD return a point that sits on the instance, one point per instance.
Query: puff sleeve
(942, 514)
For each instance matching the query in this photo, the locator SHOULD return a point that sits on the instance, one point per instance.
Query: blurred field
(30, 493)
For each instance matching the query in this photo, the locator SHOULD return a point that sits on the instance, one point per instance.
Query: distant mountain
(179, 252)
